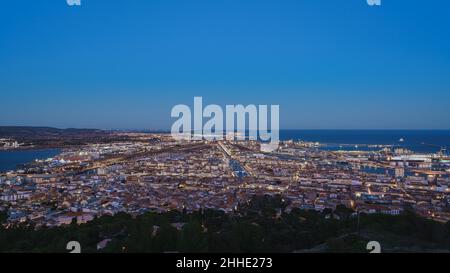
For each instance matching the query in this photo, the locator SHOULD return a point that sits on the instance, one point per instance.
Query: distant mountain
(27, 131)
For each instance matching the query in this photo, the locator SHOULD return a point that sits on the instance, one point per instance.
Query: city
(216, 136)
(154, 172)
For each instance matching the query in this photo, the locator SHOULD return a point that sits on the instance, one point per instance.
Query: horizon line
(281, 129)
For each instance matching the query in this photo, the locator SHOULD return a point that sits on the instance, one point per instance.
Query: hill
(28, 131)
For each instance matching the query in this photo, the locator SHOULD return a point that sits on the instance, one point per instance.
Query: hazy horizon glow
(125, 64)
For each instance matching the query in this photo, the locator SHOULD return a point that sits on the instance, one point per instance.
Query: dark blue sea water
(423, 141)
(9, 160)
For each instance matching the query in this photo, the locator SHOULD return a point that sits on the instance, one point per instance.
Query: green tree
(192, 238)
(3, 216)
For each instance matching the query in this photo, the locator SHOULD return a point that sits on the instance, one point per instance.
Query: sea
(419, 141)
(10, 160)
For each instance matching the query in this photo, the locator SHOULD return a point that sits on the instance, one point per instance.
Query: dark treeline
(258, 226)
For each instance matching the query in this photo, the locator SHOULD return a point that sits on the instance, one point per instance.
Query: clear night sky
(124, 64)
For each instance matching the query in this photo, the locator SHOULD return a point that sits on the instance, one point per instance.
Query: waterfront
(157, 173)
(421, 141)
(9, 160)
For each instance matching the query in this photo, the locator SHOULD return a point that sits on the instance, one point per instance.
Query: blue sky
(125, 64)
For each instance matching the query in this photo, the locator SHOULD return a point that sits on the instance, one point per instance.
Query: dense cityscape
(152, 172)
